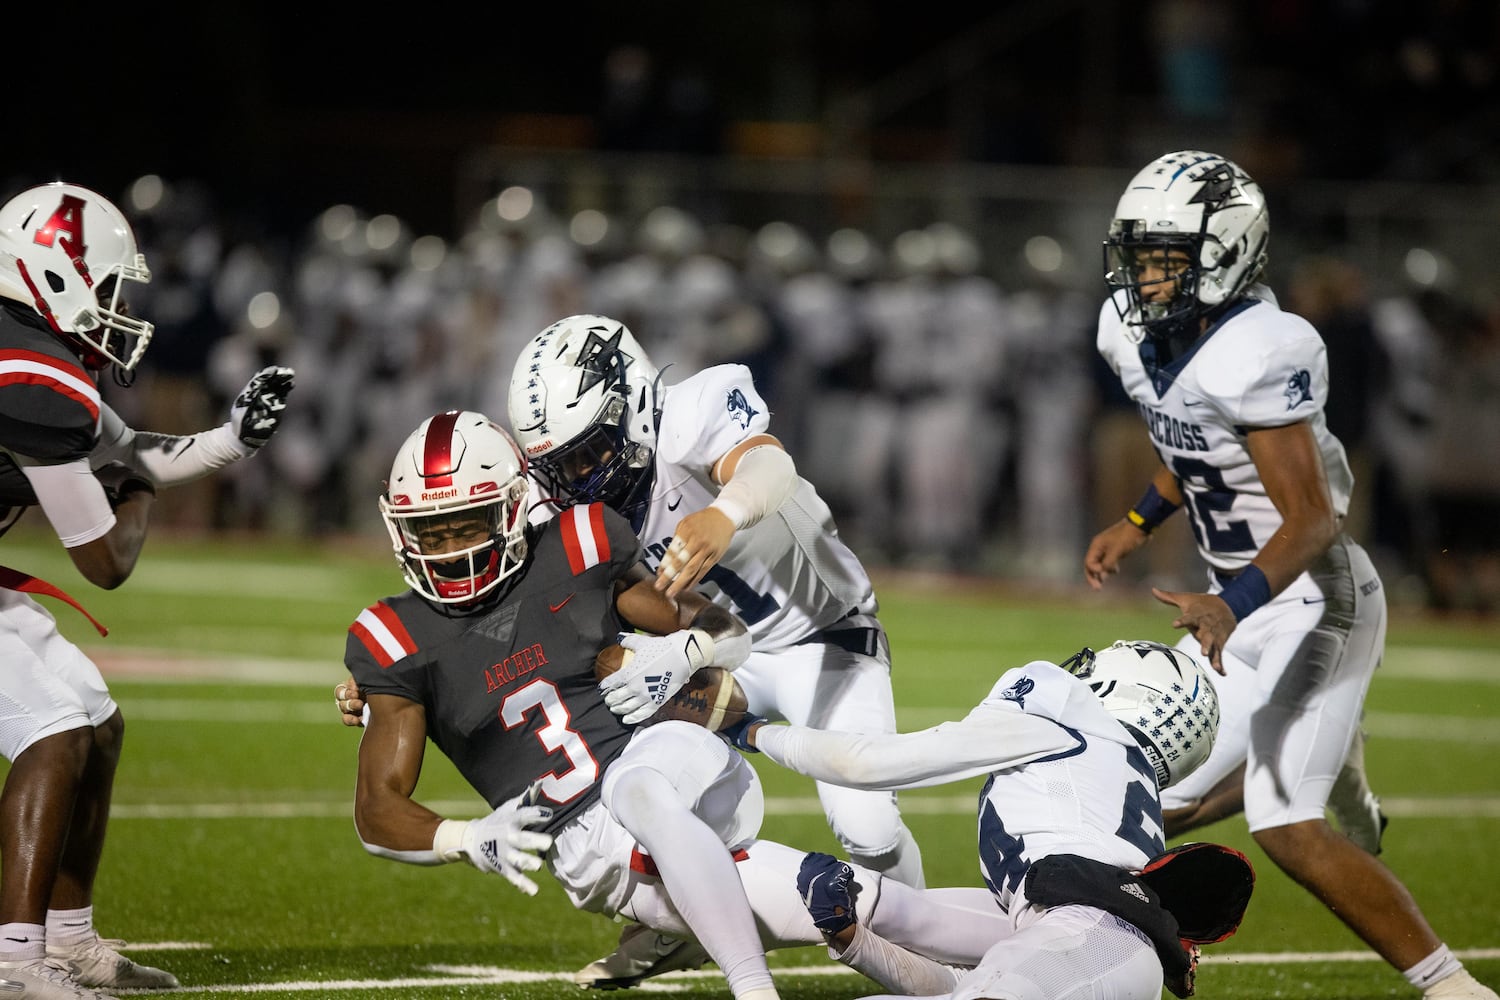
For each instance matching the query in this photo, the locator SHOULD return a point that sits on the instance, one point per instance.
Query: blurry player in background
(490, 655)
(1068, 820)
(66, 257)
(1233, 392)
(717, 502)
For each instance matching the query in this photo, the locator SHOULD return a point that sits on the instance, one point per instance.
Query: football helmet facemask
(1161, 695)
(1204, 214)
(584, 406)
(455, 507)
(69, 252)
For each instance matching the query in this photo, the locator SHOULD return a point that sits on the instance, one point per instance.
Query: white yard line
(488, 975)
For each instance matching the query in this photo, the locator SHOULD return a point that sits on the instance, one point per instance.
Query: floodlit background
(893, 215)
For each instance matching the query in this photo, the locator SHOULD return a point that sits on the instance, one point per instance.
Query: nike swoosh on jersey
(559, 605)
(674, 504)
(1314, 600)
(187, 443)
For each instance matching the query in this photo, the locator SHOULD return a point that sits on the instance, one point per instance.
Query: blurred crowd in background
(953, 423)
(894, 221)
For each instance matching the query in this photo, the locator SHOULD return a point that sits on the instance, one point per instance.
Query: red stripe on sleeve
(568, 523)
(601, 536)
(376, 649)
(391, 621)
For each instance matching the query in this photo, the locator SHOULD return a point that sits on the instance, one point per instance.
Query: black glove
(257, 409)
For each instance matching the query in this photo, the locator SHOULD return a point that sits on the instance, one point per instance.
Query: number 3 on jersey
(557, 734)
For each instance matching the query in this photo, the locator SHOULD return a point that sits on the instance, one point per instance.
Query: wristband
(448, 840)
(1246, 592)
(1150, 510)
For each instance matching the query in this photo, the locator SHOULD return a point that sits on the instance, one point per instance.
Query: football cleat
(43, 979)
(641, 954)
(97, 963)
(1461, 985)
(828, 890)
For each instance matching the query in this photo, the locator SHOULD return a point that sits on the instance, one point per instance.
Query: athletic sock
(22, 942)
(1435, 967)
(71, 927)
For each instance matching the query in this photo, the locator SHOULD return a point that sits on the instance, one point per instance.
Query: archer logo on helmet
(77, 285)
(65, 225)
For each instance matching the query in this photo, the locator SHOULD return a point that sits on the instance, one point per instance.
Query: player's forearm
(400, 831)
(902, 972)
(949, 752)
(764, 477)
(731, 640)
(168, 460)
(1296, 545)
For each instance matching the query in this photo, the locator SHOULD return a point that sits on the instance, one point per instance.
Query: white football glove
(501, 842)
(257, 410)
(659, 666)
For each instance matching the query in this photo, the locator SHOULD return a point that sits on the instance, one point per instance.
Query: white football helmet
(1203, 205)
(69, 251)
(584, 406)
(1161, 695)
(455, 506)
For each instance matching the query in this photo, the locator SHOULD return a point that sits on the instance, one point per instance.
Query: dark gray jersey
(509, 689)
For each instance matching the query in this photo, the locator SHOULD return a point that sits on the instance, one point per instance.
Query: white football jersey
(1258, 367)
(1065, 776)
(788, 576)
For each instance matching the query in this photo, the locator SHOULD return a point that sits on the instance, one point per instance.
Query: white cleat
(641, 954)
(42, 979)
(97, 963)
(1459, 986)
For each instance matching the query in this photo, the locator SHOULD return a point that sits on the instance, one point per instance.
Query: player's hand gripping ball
(711, 698)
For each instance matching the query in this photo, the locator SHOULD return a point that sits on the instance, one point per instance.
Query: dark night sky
(281, 107)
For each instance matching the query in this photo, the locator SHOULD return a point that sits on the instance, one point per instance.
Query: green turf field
(233, 862)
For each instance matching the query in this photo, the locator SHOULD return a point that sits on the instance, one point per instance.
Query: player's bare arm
(108, 561)
(390, 761)
(702, 634)
(1291, 468)
(757, 475)
(1110, 546)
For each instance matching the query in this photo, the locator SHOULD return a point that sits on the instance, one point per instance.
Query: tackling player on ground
(1070, 829)
(1233, 391)
(67, 257)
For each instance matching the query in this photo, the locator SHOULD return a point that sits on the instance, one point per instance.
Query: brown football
(711, 698)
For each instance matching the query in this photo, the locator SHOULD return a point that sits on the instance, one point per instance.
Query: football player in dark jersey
(490, 655)
(67, 256)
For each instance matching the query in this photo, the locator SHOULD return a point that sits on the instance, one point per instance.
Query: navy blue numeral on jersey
(1002, 856)
(748, 604)
(1216, 498)
(1141, 804)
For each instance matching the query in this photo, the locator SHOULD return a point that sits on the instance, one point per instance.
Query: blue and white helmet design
(1161, 695)
(584, 406)
(1203, 205)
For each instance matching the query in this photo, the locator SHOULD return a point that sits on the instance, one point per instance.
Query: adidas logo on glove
(658, 686)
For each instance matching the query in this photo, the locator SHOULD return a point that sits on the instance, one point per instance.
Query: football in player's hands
(711, 698)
